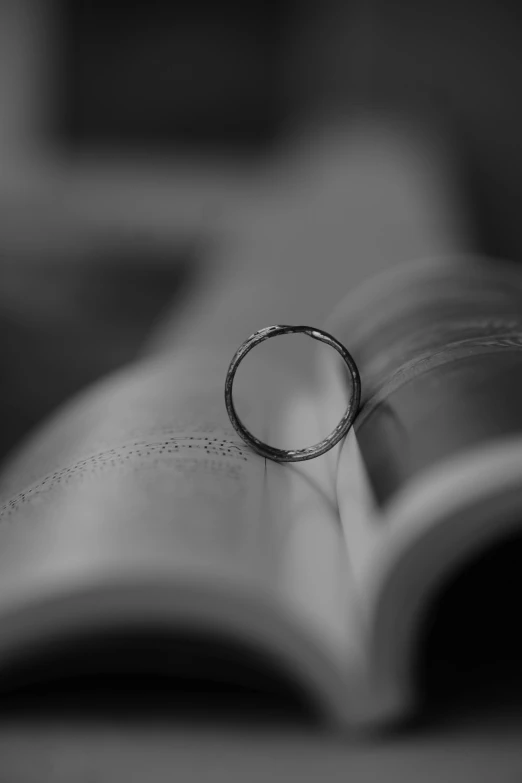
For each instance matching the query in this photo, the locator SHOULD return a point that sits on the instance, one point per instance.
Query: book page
(438, 436)
(443, 338)
(443, 344)
(356, 500)
(143, 477)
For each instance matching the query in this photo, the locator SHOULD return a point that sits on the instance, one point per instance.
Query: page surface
(144, 478)
(438, 437)
(440, 362)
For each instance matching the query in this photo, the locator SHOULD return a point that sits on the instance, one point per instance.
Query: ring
(310, 452)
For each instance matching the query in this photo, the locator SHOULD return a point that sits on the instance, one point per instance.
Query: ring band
(310, 452)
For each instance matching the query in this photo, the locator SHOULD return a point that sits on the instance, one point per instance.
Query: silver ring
(310, 452)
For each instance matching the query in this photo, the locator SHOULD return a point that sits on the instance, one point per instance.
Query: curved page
(140, 487)
(439, 348)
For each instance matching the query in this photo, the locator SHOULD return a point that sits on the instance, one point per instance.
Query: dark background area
(235, 77)
(164, 76)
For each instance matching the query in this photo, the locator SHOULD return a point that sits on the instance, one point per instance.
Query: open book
(137, 505)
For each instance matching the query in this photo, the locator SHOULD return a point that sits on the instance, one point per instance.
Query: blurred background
(146, 146)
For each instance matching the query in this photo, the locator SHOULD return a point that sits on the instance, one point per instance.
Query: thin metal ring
(310, 452)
